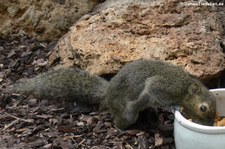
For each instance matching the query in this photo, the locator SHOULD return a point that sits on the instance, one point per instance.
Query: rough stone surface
(190, 36)
(112, 3)
(44, 19)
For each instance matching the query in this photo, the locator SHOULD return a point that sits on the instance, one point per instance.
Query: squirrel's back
(132, 77)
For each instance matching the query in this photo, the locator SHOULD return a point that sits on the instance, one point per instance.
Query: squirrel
(142, 85)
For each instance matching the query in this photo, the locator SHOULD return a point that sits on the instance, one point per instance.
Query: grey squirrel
(139, 85)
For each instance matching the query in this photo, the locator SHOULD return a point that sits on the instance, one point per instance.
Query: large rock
(190, 36)
(44, 19)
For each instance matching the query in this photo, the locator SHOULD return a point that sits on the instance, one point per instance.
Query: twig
(82, 142)
(60, 109)
(9, 125)
(15, 121)
(21, 119)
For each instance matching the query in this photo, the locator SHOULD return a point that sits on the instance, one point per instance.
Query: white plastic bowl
(189, 135)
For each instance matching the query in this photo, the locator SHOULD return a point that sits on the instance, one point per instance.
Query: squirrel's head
(199, 105)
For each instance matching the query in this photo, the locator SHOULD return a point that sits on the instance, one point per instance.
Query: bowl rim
(198, 127)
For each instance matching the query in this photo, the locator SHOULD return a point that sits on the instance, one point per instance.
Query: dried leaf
(158, 140)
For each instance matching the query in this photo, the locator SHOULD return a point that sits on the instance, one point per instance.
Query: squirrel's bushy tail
(65, 83)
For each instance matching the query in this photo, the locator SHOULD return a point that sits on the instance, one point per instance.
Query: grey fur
(136, 87)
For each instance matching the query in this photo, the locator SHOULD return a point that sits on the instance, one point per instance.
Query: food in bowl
(219, 121)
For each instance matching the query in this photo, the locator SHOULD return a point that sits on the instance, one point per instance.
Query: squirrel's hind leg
(144, 109)
(131, 112)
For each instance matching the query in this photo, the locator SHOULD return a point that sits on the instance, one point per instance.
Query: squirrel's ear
(194, 88)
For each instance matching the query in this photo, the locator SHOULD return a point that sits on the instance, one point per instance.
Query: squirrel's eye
(203, 108)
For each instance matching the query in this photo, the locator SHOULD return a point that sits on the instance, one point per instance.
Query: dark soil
(27, 122)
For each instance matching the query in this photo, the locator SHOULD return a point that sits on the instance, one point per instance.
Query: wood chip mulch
(27, 122)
